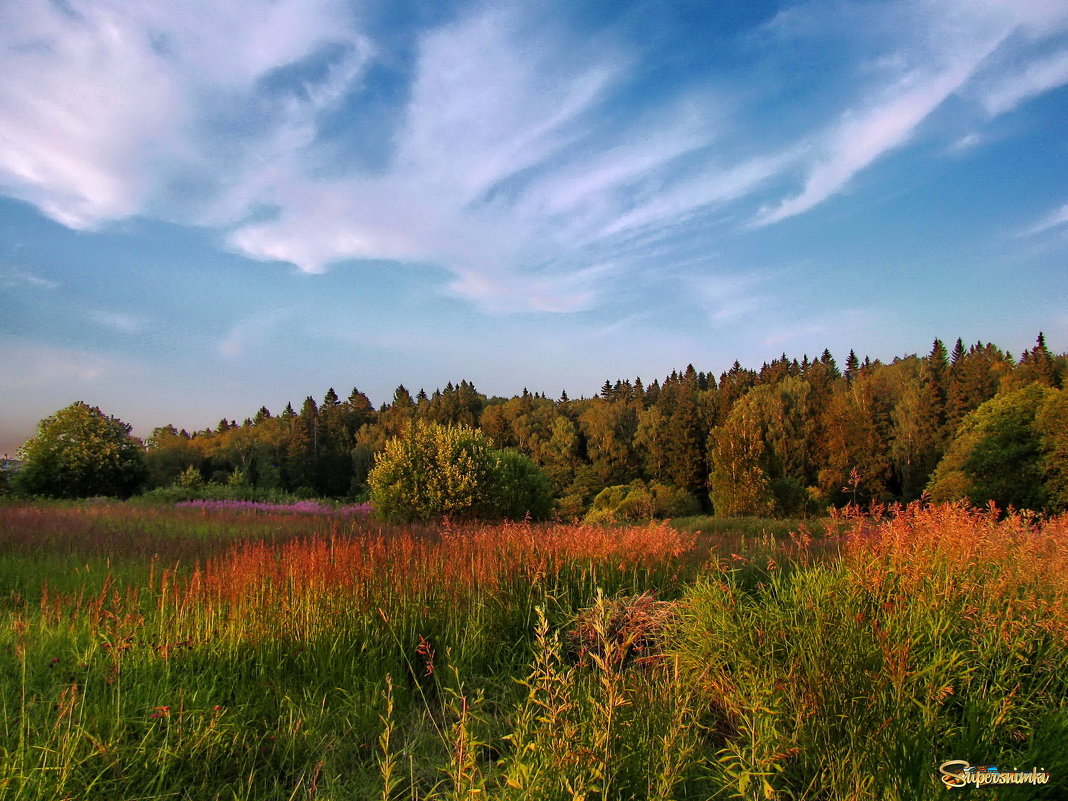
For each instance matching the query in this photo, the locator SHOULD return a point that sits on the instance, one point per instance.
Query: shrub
(433, 470)
(520, 487)
(641, 501)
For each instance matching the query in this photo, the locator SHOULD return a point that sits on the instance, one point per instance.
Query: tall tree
(80, 451)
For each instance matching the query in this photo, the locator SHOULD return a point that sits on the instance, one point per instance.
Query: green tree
(1006, 451)
(738, 483)
(610, 428)
(519, 487)
(433, 470)
(78, 452)
(854, 431)
(763, 456)
(1052, 425)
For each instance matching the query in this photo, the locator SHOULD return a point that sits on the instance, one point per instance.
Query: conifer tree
(852, 366)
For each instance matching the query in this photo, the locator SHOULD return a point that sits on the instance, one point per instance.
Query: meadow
(220, 651)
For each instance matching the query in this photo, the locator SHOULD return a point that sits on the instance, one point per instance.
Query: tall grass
(219, 654)
(939, 634)
(254, 668)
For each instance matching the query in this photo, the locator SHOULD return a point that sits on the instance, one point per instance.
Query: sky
(207, 207)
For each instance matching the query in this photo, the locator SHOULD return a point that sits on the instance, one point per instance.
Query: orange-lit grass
(922, 635)
(938, 633)
(305, 586)
(999, 569)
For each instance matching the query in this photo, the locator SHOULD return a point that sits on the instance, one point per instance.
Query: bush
(520, 487)
(641, 501)
(432, 471)
(210, 491)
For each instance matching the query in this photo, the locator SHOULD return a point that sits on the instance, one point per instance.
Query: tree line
(790, 438)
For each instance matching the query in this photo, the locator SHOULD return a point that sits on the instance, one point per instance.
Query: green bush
(431, 471)
(211, 491)
(520, 487)
(641, 501)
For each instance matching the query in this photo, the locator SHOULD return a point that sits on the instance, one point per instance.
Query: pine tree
(852, 366)
(1038, 364)
(827, 360)
(958, 353)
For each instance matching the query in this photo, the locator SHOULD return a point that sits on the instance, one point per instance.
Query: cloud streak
(526, 158)
(1055, 219)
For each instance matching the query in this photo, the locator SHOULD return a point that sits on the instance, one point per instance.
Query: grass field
(212, 653)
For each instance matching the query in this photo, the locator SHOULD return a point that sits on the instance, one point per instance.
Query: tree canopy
(1010, 450)
(789, 437)
(78, 452)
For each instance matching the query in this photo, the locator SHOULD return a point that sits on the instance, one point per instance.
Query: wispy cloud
(253, 331)
(105, 103)
(30, 365)
(10, 279)
(730, 298)
(1055, 219)
(527, 159)
(1036, 78)
(933, 62)
(965, 143)
(122, 322)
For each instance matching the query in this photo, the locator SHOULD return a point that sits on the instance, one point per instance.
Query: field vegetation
(220, 651)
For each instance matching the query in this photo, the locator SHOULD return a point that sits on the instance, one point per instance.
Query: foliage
(81, 452)
(1010, 451)
(190, 478)
(641, 501)
(520, 487)
(435, 470)
(803, 435)
(763, 456)
(213, 491)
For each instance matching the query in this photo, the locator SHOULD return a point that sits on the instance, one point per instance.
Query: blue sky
(206, 207)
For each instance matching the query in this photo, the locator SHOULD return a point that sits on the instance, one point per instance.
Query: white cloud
(1055, 219)
(522, 163)
(252, 331)
(103, 103)
(31, 365)
(491, 103)
(966, 143)
(864, 135)
(947, 49)
(1036, 78)
(570, 291)
(730, 298)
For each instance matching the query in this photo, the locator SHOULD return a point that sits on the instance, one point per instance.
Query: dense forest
(790, 438)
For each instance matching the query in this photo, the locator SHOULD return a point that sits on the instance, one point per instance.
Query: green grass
(288, 658)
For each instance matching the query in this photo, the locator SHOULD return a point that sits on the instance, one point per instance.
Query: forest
(790, 438)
